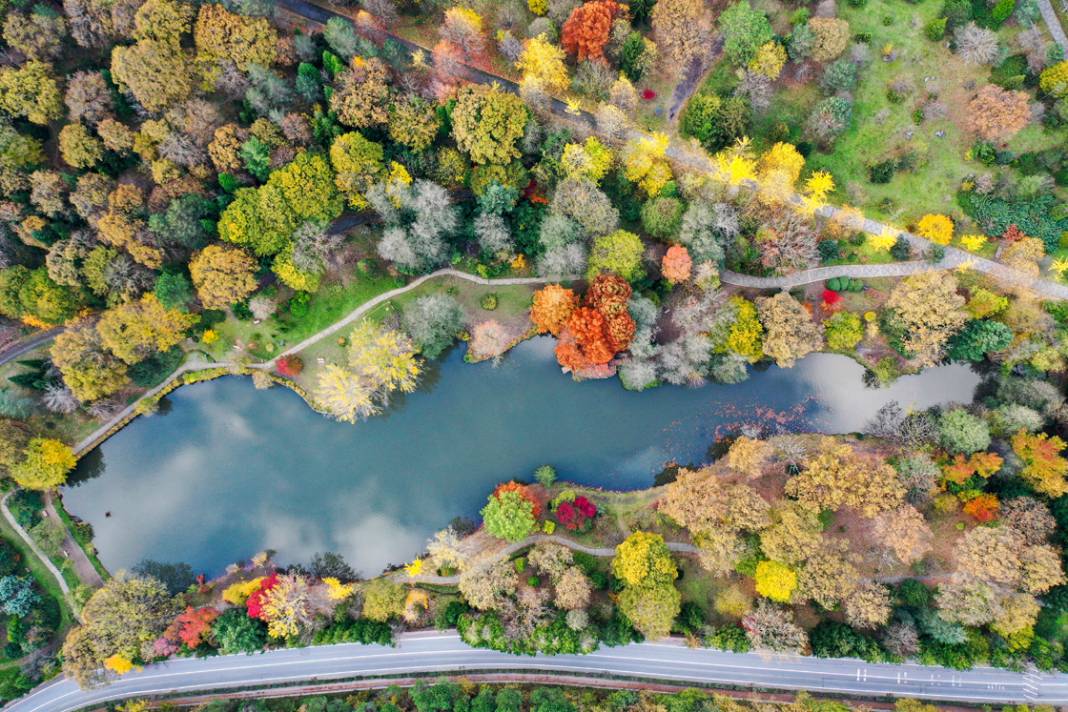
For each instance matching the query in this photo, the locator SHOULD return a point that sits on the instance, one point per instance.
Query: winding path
(25, 536)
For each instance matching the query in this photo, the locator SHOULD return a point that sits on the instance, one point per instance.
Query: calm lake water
(226, 470)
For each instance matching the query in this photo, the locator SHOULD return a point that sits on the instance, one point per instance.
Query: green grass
(41, 573)
(86, 545)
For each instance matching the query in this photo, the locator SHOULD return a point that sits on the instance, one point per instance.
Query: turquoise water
(226, 470)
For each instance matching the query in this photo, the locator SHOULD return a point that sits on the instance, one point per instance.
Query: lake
(225, 470)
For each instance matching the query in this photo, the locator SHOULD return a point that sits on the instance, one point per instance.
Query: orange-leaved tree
(587, 30)
(551, 308)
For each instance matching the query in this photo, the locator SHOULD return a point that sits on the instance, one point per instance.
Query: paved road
(668, 660)
(24, 346)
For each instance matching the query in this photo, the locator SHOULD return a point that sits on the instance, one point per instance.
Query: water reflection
(231, 470)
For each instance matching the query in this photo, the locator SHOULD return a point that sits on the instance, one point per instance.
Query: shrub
(844, 331)
(935, 30)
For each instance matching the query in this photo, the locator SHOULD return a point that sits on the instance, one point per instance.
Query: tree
(1044, 466)
(31, 91)
(966, 601)
(745, 30)
(828, 577)
(433, 323)
(462, 27)
(362, 96)
(905, 532)
(287, 606)
(222, 275)
(413, 122)
(839, 477)
(384, 359)
(120, 617)
(486, 587)
(978, 338)
(844, 330)
(344, 394)
(88, 369)
(936, 228)
(45, 464)
(661, 216)
(551, 307)
(487, 123)
(235, 632)
(869, 606)
(584, 203)
(769, 60)
(701, 501)
(962, 432)
(136, 330)
(358, 165)
(220, 35)
(644, 561)
(930, 311)
(17, 597)
(509, 515)
(542, 64)
(676, 264)
(617, 253)
(681, 30)
(572, 589)
(79, 148)
(775, 581)
(158, 74)
(587, 30)
(1054, 79)
(976, 45)
(830, 37)
(383, 599)
(829, 118)
(651, 609)
(789, 332)
(998, 114)
(87, 97)
(771, 627)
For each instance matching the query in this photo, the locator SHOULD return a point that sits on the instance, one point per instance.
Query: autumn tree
(830, 37)
(869, 606)
(486, 587)
(681, 30)
(789, 331)
(433, 323)
(617, 253)
(220, 35)
(31, 91)
(935, 227)
(929, 311)
(385, 359)
(649, 599)
(676, 264)
(87, 97)
(383, 599)
(88, 369)
(1044, 468)
(287, 607)
(118, 619)
(78, 147)
(997, 114)
(702, 501)
(793, 535)
(222, 275)
(44, 465)
(157, 70)
(839, 476)
(828, 577)
(967, 601)
(587, 30)
(343, 394)
(551, 307)
(358, 164)
(772, 628)
(135, 330)
(775, 581)
(905, 532)
(413, 122)
(362, 95)
(542, 64)
(487, 123)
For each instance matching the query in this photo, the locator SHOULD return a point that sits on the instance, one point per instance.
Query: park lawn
(86, 544)
(513, 303)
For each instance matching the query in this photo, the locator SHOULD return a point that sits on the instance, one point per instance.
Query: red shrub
(289, 366)
(576, 514)
(831, 297)
(648, 94)
(254, 604)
